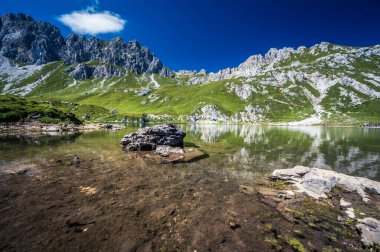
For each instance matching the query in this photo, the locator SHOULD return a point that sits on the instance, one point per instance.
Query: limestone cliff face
(32, 42)
(128, 55)
(25, 40)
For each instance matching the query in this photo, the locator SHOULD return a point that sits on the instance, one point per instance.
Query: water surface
(116, 201)
(246, 151)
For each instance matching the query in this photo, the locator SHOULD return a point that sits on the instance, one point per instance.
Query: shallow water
(115, 201)
(245, 151)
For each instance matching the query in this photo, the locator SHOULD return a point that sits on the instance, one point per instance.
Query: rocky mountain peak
(129, 55)
(28, 41)
(10, 17)
(324, 46)
(278, 54)
(332, 54)
(72, 38)
(33, 42)
(253, 60)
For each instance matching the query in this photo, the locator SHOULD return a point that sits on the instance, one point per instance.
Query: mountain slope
(324, 83)
(335, 79)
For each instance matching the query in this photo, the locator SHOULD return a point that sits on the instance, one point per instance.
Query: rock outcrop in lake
(161, 143)
(148, 139)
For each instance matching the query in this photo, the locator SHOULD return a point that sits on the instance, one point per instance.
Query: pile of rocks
(163, 138)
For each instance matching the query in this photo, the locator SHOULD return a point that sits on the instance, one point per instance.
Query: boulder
(148, 139)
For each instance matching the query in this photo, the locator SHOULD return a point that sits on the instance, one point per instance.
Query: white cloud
(92, 22)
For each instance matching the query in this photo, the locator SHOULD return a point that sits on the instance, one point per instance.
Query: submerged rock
(148, 139)
(152, 157)
(75, 160)
(317, 182)
(165, 150)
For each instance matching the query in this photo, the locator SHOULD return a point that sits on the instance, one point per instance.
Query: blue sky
(215, 34)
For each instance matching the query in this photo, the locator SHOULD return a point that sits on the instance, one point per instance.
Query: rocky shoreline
(298, 192)
(37, 128)
(289, 188)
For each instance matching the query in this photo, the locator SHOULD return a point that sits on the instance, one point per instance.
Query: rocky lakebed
(158, 192)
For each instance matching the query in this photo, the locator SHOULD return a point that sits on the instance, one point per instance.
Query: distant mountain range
(324, 83)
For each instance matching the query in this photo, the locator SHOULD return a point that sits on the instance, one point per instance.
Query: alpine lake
(82, 192)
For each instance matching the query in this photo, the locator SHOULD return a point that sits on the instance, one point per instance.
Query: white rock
(369, 229)
(350, 213)
(317, 182)
(344, 203)
(210, 113)
(166, 150)
(290, 193)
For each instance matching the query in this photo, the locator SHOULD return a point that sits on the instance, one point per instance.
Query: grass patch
(296, 245)
(18, 109)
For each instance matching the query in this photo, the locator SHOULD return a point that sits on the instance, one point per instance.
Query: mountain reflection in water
(354, 151)
(244, 151)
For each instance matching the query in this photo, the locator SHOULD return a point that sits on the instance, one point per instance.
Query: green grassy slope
(18, 109)
(23, 109)
(171, 98)
(136, 96)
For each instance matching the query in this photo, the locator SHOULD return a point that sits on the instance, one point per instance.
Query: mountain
(26, 41)
(334, 79)
(324, 83)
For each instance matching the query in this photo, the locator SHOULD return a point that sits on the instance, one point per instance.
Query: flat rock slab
(165, 150)
(317, 182)
(188, 155)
